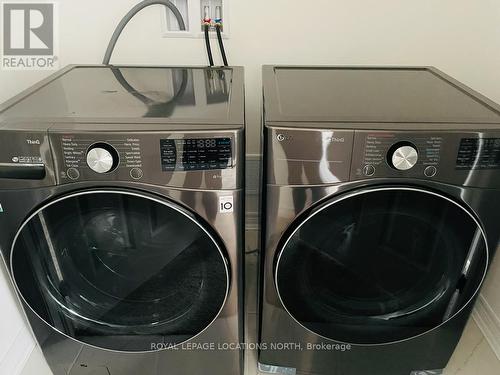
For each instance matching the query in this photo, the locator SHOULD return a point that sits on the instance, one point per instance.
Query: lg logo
(283, 137)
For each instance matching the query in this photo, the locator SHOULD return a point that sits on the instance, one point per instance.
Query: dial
(403, 156)
(102, 158)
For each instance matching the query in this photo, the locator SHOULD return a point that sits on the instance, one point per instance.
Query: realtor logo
(29, 35)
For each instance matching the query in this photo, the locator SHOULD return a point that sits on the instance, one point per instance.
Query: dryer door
(120, 270)
(381, 265)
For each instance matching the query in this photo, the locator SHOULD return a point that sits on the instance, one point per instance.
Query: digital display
(479, 153)
(195, 154)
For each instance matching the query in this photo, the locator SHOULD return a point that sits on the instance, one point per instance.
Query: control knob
(102, 158)
(403, 156)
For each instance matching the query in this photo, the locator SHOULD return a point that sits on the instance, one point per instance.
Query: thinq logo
(29, 35)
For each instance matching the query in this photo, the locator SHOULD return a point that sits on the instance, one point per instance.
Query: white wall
(458, 36)
(16, 343)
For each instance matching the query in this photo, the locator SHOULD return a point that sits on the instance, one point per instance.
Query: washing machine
(382, 193)
(121, 192)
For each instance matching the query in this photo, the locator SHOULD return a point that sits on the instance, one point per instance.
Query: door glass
(120, 271)
(381, 266)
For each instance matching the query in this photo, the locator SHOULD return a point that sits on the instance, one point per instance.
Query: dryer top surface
(372, 95)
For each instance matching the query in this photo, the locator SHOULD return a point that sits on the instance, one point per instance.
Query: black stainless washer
(121, 216)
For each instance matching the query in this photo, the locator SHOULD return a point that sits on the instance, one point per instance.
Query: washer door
(120, 270)
(381, 265)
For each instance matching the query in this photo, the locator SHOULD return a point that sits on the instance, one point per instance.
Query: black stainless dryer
(381, 217)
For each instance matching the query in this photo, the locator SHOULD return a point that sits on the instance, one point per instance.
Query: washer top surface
(372, 94)
(128, 94)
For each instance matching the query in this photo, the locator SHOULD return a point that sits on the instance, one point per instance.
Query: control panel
(195, 154)
(149, 157)
(394, 154)
(453, 157)
(328, 156)
(83, 154)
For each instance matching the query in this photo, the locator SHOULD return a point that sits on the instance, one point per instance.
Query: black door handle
(22, 171)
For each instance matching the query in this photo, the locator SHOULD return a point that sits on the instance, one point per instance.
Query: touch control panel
(195, 154)
(479, 153)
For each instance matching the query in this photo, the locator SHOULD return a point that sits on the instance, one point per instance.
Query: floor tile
(473, 355)
(251, 338)
(36, 364)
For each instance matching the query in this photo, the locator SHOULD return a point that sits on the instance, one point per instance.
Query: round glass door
(119, 270)
(381, 265)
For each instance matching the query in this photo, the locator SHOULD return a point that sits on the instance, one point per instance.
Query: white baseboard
(488, 322)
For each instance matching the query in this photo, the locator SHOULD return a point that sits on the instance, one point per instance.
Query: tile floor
(472, 357)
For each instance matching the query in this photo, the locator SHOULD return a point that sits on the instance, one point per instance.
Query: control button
(102, 158)
(369, 170)
(430, 171)
(73, 173)
(136, 173)
(404, 156)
